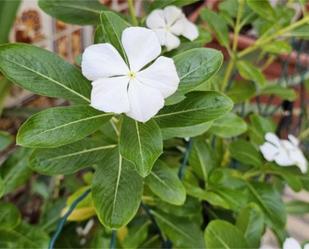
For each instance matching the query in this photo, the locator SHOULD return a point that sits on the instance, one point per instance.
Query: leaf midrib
(82, 152)
(117, 184)
(219, 239)
(68, 124)
(50, 79)
(139, 143)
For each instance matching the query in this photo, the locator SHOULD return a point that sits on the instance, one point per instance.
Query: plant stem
(132, 12)
(232, 61)
(113, 240)
(262, 41)
(65, 217)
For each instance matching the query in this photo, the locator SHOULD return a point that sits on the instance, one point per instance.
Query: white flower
(284, 152)
(289, 243)
(170, 23)
(136, 89)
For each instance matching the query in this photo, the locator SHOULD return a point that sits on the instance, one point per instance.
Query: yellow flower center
(132, 75)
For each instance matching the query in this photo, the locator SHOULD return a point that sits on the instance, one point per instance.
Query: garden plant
(164, 140)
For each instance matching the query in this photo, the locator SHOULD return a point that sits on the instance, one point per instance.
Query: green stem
(132, 12)
(264, 40)
(228, 73)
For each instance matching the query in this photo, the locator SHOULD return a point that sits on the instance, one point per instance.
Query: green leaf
(15, 171)
(245, 152)
(197, 108)
(259, 126)
(297, 207)
(203, 64)
(43, 72)
(159, 4)
(291, 175)
(241, 91)
(58, 126)
(8, 10)
(250, 72)
(141, 143)
(202, 158)
(218, 26)
(278, 47)
(25, 236)
(9, 216)
(70, 158)
(2, 187)
(280, 91)
(79, 12)
(229, 125)
(183, 232)
(222, 234)
(250, 221)
(263, 9)
(269, 201)
(116, 190)
(5, 140)
(183, 132)
(110, 30)
(137, 235)
(165, 183)
(4, 90)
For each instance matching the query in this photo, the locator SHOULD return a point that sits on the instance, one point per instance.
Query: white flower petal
(110, 94)
(172, 14)
(141, 45)
(161, 35)
(102, 61)
(145, 102)
(306, 246)
(178, 27)
(161, 75)
(190, 31)
(300, 161)
(171, 41)
(269, 151)
(156, 20)
(283, 158)
(272, 138)
(291, 243)
(293, 140)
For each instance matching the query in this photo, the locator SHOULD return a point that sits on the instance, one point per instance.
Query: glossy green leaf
(229, 125)
(245, 152)
(159, 4)
(203, 64)
(269, 201)
(15, 171)
(202, 158)
(280, 91)
(263, 9)
(8, 10)
(70, 158)
(165, 183)
(250, 221)
(197, 108)
(241, 91)
(24, 236)
(58, 126)
(43, 72)
(5, 140)
(110, 30)
(297, 207)
(9, 216)
(183, 132)
(250, 72)
(137, 234)
(218, 26)
(76, 12)
(116, 190)
(222, 234)
(278, 47)
(258, 127)
(183, 232)
(141, 143)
